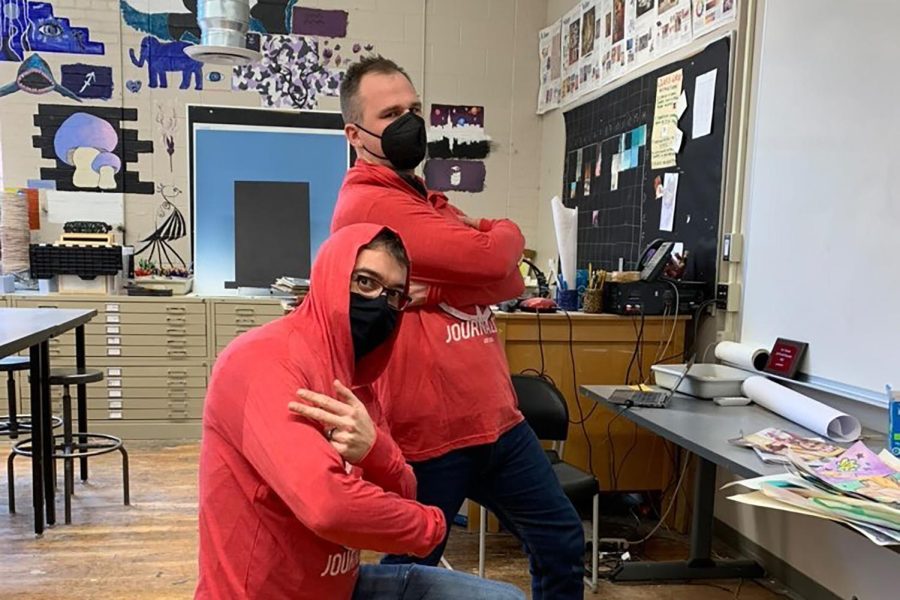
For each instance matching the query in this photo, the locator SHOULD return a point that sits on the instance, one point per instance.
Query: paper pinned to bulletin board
(665, 120)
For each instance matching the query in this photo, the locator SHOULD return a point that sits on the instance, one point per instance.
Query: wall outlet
(728, 296)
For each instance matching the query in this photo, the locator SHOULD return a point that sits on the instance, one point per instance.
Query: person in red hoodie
(447, 393)
(288, 496)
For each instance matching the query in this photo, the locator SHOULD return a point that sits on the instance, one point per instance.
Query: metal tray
(705, 380)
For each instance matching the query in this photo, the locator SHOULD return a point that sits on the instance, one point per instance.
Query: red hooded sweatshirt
(447, 384)
(281, 514)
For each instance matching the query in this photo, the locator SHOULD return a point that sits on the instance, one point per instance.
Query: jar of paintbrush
(592, 301)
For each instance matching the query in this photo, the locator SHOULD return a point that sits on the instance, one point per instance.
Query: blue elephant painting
(27, 26)
(167, 57)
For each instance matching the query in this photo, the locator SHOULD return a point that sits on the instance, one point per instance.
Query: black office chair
(545, 410)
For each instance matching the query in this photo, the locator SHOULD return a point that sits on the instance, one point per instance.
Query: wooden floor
(148, 550)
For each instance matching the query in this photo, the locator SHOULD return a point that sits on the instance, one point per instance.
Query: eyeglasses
(371, 288)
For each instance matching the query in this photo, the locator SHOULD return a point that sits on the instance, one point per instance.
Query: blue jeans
(513, 479)
(419, 582)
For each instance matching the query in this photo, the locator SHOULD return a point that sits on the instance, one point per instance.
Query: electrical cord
(668, 508)
(576, 397)
(612, 446)
(636, 354)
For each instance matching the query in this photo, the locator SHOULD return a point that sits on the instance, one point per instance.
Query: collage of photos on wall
(599, 41)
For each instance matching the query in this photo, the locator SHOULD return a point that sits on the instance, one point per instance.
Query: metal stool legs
(11, 394)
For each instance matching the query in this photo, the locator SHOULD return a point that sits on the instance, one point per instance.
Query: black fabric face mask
(372, 321)
(403, 142)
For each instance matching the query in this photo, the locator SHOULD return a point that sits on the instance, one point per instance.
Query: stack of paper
(857, 488)
(291, 285)
(773, 445)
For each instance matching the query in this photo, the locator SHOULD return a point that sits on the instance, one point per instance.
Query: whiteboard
(822, 207)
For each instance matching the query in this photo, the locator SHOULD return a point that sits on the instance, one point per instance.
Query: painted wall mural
(266, 16)
(27, 26)
(170, 226)
(316, 21)
(88, 81)
(35, 77)
(167, 57)
(292, 72)
(91, 149)
(457, 132)
(167, 119)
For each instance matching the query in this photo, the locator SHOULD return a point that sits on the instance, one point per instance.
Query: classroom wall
(468, 52)
(839, 559)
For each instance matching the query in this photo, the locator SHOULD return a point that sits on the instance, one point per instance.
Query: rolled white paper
(565, 221)
(742, 355)
(802, 410)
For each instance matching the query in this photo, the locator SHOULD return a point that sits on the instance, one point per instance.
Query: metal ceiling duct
(223, 33)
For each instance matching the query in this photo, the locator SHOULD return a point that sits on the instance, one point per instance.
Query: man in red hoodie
(446, 392)
(285, 501)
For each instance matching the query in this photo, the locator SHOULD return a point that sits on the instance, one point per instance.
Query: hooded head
(358, 282)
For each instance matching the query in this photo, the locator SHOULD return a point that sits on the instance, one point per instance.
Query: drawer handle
(177, 374)
(47, 306)
(245, 321)
(55, 351)
(175, 331)
(179, 320)
(176, 384)
(178, 343)
(240, 330)
(176, 310)
(177, 395)
(176, 353)
(245, 311)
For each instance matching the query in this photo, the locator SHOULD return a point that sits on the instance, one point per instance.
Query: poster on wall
(710, 14)
(644, 29)
(673, 28)
(617, 62)
(571, 37)
(589, 69)
(550, 54)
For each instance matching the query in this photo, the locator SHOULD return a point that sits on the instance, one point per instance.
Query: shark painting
(35, 77)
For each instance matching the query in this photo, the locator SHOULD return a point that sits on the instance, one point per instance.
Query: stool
(65, 448)
(12, 424)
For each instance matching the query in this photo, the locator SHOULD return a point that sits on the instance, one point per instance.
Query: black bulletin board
(618, 224)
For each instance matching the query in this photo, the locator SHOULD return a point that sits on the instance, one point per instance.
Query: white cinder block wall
(481, 52)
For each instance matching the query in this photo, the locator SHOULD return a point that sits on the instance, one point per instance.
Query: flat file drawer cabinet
(234, 317)
(154, 353)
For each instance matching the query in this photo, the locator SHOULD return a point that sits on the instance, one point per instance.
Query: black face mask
(403, 142)
(372, 321)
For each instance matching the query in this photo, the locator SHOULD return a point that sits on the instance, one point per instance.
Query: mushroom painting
(87, 142)
(91, 148)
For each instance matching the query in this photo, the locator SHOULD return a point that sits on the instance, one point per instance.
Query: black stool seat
(14, 363)
(71, 376)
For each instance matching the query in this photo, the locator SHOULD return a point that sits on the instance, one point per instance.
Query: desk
(32, 328)
(703, 428)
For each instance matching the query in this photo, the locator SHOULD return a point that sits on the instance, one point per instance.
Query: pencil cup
(592, 301)
(567, 299)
